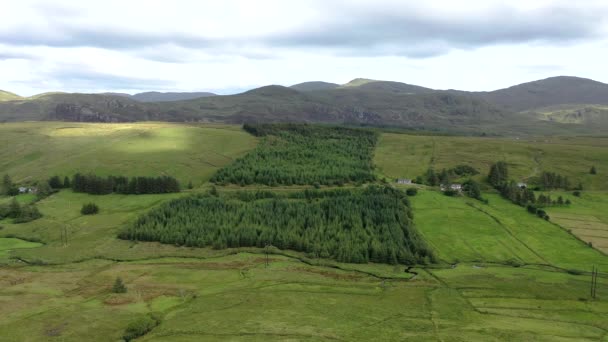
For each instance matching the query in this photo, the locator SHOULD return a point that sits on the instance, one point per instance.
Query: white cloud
(232, 45)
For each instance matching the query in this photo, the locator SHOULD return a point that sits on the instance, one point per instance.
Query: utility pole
(266, 249)
(593, 282)
(64, 236)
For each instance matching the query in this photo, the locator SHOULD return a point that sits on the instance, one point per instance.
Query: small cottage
(454, 187)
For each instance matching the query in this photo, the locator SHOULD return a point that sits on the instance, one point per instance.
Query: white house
(455, 187)
(404, 181)
(23, 189)
(522, 185)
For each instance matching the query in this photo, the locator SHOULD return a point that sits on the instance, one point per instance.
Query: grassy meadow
(409, 156)
(503, 274)
(37, 150)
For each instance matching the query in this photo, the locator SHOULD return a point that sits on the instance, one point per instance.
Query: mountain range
(554, 105)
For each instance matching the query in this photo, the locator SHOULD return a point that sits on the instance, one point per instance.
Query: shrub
(28, 213)
(450, 192)
(514, 263)
(411, 192)
(89, 209)
(119, 286)
(140, 327)
(576, 193)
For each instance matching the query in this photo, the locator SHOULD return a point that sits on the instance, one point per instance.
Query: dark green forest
(96, 185)
(356, 225)
(296, 154)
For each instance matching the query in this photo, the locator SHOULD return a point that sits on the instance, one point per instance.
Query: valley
(500, 273)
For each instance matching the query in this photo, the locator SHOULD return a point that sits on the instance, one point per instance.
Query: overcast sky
(230, 45)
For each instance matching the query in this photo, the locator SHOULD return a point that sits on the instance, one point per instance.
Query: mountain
(75, 107)
(548, 92)
(8, 96)
(315, 85)
(552, 106)
(386, 86)
(155, 96)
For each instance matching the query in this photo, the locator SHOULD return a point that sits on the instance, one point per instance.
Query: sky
(230, 46)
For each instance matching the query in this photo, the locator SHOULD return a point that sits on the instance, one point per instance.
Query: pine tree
(499, 174)
(7, 184)
(119, 286)
(14, 209)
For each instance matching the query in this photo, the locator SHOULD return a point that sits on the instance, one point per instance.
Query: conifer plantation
(96, 185)
(360, 225)
(303, 154)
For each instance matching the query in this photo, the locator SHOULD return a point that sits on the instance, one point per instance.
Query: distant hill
(271, 90)
(155, 96)
(585, 115)
(313, 86)
(553, 106)
(548, 92)
(387, 86)
(8, 96)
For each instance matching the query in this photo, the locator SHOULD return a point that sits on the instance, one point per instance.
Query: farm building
(455, 187)
(404, 181)
(25, 190)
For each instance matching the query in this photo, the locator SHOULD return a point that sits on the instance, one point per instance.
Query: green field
(587, 218)
(503, 274)
(466, 230)
(34, 151)
(409, 156)
(9, 244)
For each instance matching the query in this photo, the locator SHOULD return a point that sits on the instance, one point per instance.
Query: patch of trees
(96, 185)
(552, 180)
(19, 213)
(524, 196)
(593, 170)
(8, 188)
(445, 176)
(356, 225)
(140, 327)
(55, 182)
(299, 154)
(472, 189)
(89, 209)
(499, 174)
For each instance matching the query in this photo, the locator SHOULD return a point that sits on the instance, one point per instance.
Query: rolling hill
(8, 96)
(548, 92)
(315, 85)
(155, 96)
(518, 109)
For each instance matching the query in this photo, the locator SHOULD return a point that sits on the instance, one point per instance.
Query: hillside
(155, 96)
(549, 92)
(513, 110)
(8, 96)
(386, 86)
(316, 85)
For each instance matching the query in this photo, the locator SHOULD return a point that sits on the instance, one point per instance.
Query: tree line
(19, 213)
(300, 154)
(356, 225)
(445, 176)
(523, 195)
(96, 185)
